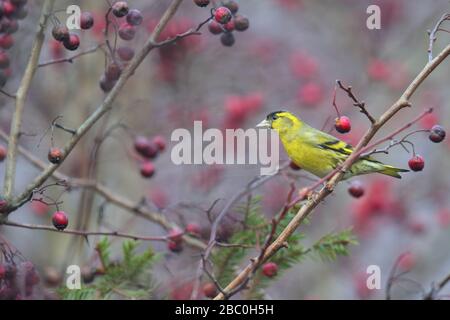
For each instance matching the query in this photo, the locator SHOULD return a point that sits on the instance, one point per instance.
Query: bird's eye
(274, 117)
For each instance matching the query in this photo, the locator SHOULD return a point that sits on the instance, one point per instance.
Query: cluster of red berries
(226, 20)
(12, 287)
(126, 31)
(10, 12)
(149, 150)
(70, 40)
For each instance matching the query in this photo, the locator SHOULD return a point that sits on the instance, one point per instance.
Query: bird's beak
(264, 124)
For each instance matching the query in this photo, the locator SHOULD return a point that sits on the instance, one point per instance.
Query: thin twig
(71, 58)
(433, 34)
(356, 102)
(85, 233)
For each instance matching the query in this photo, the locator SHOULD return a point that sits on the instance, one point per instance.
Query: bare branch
(84, 233)
(104, 107)
(356, 102)
(71, 58)
(21, 96)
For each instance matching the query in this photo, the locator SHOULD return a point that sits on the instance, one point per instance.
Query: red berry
(60, 220)
(3, 153)
(175, 235)
(310, 94)
(202, 3)
(2, 271)
(214, 27)
(9, 25)
(120, 9)
(416, 163)
(229, 26)
(294, 166)
(378, 70)
(60, 33)
(134, 17)
(147, 169)
(3, 205)
(222, 15)
(407, 261)
(72, 43)
(193, 229)
(127, 31)
(342, 124)
(105, 84)
(4, 60)
(8, 8)
(160, 142)
(125, 53)
(174, 246)
(86, 20)
(20, 13)
(437, 134)
(113, 72)
(6, 41)
(145, 147)
(241, 23)
(227, 39)
(270, 269)
(55, 155)
(232, 5)
(209, 290)
(356, 189)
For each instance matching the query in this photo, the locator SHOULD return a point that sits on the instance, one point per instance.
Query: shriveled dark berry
(120, 9)
(241, 23)
(134, 17)
(86, 20)
(227, 39)
(60, 33)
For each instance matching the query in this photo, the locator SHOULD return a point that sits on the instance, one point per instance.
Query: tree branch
(71, 58)
(108, 195)
(84, 233)
(107, 102)
(311, 204)
(21, 96)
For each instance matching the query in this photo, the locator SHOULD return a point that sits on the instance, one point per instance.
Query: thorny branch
(356, 102)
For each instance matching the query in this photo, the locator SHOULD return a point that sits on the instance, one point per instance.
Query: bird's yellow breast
(312, 159)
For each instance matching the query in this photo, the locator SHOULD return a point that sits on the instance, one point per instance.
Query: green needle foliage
(128, 278)
(255, 229)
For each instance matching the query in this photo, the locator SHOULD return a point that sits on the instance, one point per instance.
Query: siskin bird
(318, 152)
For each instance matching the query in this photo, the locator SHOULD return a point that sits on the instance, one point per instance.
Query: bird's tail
(392, 171)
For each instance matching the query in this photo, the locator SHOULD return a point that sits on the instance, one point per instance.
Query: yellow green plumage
(318, 152)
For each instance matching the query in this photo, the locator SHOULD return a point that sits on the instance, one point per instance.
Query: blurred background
(289, 58)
